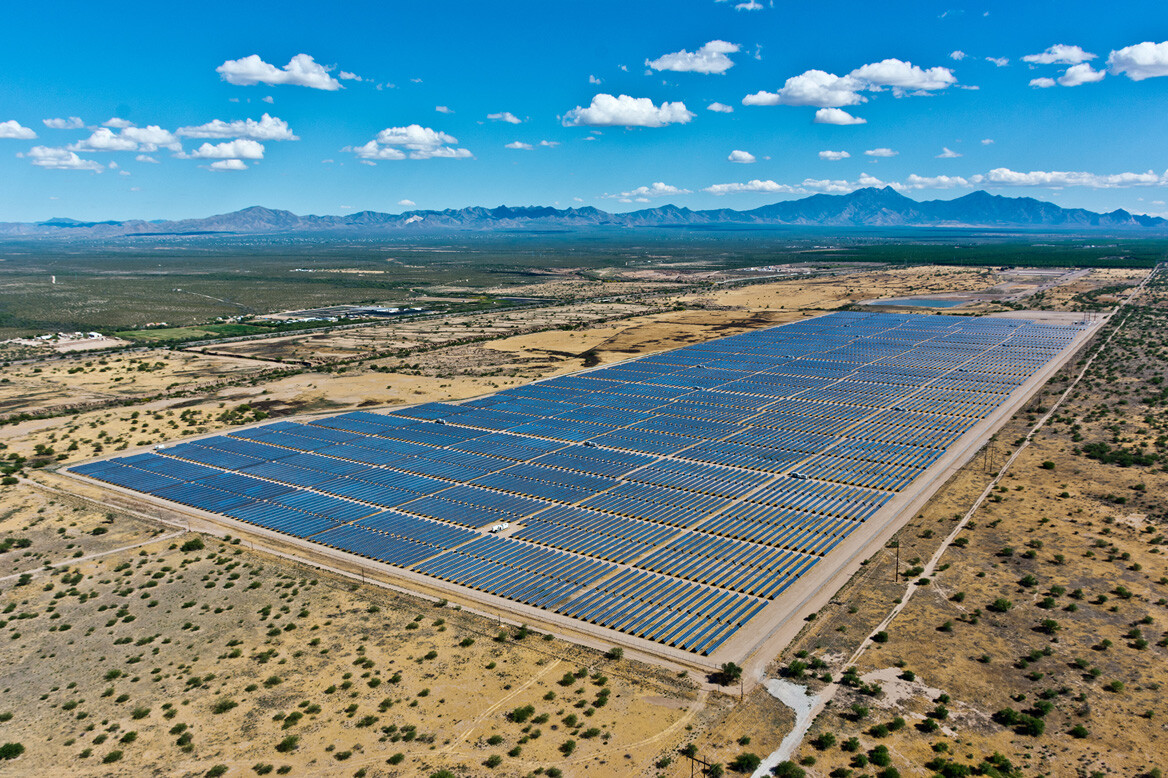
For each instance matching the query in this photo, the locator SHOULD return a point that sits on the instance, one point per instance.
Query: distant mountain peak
(870, 207)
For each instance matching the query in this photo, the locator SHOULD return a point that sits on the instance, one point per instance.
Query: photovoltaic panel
(669, 497)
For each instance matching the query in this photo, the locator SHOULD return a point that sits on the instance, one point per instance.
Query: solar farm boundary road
(764, 637)
(757, 641)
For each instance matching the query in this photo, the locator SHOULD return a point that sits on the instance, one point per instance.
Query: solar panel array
(670, 497)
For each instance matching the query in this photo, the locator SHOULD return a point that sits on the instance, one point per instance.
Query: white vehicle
(499, 527)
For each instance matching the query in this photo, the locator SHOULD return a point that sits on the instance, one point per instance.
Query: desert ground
(137, 652)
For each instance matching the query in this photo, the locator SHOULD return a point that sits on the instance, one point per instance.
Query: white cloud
(1077, 75)
(750, 5)
(301, 70)
(413, 141)
(657, 189)
(881, 152)
(345, 75)
(834, 156)
(754, 185)
(406, 203)
(948, 153)
(902, 75)
(519, 146)
(131, 138)
(719, 108)
(227, 164)
(146, 158)
(742, 157)
(549, 143)
(608, 111)
(268, 99)
(117, 124)
(987, 141)
(827, 90)
(1059, 54)
(593, 80)
(1000, 62)
(15, 130)
(837, 116)
(72, 123)
(934, 182)
(505, 116)
(958, 55)
(807, 186)
(267, 128)
(710, 58)
(814, 87)
(1058, 179)
(1042, 83)
(60, 159)
(235, 149)
(443, 109)
(1143, 60)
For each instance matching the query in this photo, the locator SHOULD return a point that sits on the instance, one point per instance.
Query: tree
(728, 673)
(745, 762)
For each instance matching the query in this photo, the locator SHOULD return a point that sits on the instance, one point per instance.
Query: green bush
(11, 750)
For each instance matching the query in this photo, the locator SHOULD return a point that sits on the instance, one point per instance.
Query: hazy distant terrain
(867, 207)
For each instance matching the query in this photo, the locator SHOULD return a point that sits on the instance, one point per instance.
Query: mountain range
(870, 207)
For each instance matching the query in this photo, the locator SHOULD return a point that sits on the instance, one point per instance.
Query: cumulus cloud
(15, 130)
(749, 5)
(1143, 60)
(1059, 54)
(117, 123)
(235, 149)
(742, 157)
(519, 146)
(807, 186)
(624, 111)
(657, 189)
(719, 108)
(821, 89)
(147, 139)
(986, 141)
(1057, 179)
(958, 55)
(881, 152)
(710, 58)
(345, 75)
(60, 159)
(406, 203)
(948, 153)
(834, 156)
(505, 116)
(934, 182)
(837, 116)
(413, 142)
(443, 109)
(227, 164)
(549, 143)
(1042, 83)
(905, 76)
(814, 87)
(72, 123)
(1077, 75)
(301, 70)
(267, 128)
(146, 158)
(593, 80)
(1000, 62)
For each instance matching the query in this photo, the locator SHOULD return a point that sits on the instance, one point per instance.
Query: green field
(121, 285)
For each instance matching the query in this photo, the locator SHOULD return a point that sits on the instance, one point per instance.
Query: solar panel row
(670, 497)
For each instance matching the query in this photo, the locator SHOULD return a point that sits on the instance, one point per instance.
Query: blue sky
(170, 111)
